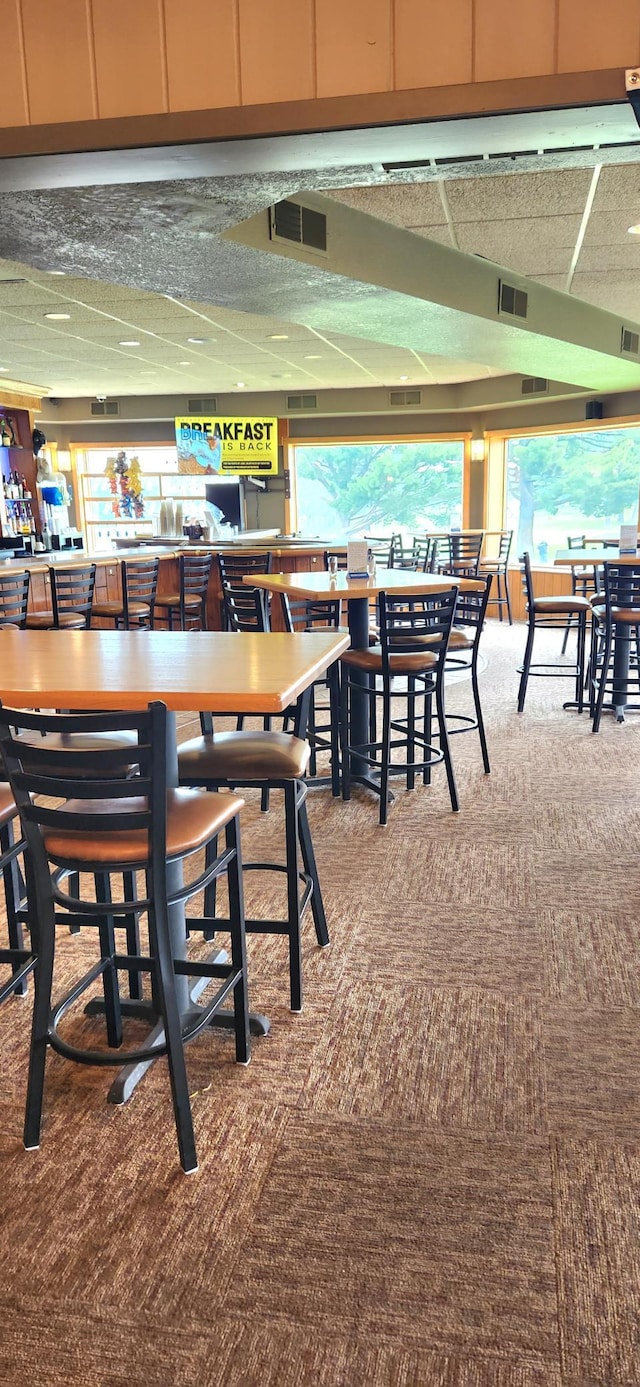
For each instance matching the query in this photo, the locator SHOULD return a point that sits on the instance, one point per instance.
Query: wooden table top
(573, 558)
(193, 671)
(323, 584)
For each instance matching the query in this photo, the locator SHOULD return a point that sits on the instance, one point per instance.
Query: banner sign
(224, 445)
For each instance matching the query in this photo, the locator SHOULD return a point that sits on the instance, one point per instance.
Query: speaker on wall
(594, 409)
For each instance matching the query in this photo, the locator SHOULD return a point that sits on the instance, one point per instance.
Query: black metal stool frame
(550, 622)
(297, 832)
(35, 771)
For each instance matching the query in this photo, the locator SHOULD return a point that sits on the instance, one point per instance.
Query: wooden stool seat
(561, 605)
(44, 621)
(193, 818)
(8, 626)
(371, 661)
(244, 755)
(115, 609)
(622, 616)
(8, 808)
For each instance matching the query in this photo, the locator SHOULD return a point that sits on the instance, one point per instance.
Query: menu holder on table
(628, 539)
(357, 555)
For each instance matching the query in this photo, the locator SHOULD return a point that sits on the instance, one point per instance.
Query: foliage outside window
(353, 489)
(561, 485)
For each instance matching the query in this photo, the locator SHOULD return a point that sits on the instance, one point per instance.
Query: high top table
(194, 671)
(358, 593)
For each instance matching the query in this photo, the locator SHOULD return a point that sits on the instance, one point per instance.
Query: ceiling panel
(507, 197)
(401, 203)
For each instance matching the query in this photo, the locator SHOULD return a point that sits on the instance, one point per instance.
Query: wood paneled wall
(83, 60)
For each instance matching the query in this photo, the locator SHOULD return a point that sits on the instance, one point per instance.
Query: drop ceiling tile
(612, 228)
(433, 233)
(507, 196)
(542, 245)
(400, 203)
(618, 186)
(618, 295)
(611, 259)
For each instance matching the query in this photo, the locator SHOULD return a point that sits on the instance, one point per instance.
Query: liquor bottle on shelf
(5, 436)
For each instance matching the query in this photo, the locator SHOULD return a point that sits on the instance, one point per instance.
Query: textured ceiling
(125, 247)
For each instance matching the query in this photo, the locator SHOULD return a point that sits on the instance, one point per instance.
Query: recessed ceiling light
(278, 336)
(184, 363)
(56, 272)
(239, 385)
(196, 341)
(129, 342)
(634, 230)
(313, 357)
(403, 377)
(58, 317)
(4, 368)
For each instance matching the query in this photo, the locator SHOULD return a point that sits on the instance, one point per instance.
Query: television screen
(226, 496)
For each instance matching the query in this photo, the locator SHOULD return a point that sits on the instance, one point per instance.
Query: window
(570, 484)
(160, 478)
(350, 489)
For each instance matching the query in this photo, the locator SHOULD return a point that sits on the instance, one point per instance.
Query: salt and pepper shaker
(371, 563)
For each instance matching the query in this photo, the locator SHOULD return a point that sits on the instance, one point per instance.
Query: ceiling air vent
(629, 342)
(302, 401)
(512, 301)
(534, 385)
(109, 407)
(288, 221)
(207, 405)
(405, 397)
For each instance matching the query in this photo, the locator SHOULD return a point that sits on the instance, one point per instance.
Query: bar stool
(139, 587)
(72, 592)
(14, 596)
(615, 631)
(302, 615)
(414, 641)
(271, 761)
(462, 654)
(20, 960)
(108, 821)
(583, 581)
(462, 556)
(189, 604)
(550, 614)
(499, 567)
(235, 565)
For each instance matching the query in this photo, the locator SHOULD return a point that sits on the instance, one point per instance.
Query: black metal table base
(129, 1076)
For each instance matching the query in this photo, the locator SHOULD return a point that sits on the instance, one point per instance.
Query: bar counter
(286, 557)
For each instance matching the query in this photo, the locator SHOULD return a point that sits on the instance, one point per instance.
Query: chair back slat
(194, 573)
(471, 607)
(72, 591)
(463, 552)
(110, 775)
(527, 579)
(303, 615)
(244, 608)
(382, 549)
(424, 623)
(140, 584)
(622, 585)
(14, 597)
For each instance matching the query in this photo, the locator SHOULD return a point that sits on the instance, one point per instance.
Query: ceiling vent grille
(12, 281)
(301, 226)
(629, 342)
(534, 385)
(402, 398)
(511, 301)
(302, 401)
(206, 405)
(103, 407)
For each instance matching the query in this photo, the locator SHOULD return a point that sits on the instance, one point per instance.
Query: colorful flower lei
(125, 482)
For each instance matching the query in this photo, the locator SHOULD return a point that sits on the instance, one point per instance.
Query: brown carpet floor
(430, 1176)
